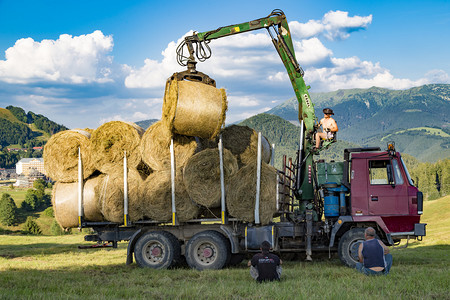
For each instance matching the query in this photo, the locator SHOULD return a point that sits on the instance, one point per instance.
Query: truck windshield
(407, 173)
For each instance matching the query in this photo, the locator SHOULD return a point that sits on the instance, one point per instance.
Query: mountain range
(417, 119)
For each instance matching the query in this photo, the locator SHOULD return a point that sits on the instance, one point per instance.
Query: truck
(322, 206)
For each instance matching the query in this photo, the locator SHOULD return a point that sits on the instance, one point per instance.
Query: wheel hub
(156, 251)
(208, 252)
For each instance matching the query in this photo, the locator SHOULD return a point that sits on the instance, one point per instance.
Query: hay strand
(241, 195)
(202, 176)
(157, 198)
(155, 147)
(111, 196)
(65, 202)
(194, 108)
(109, 141)
(61, 155)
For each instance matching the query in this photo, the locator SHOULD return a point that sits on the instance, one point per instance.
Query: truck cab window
(397, 173)
(407, 173)
(380, 172)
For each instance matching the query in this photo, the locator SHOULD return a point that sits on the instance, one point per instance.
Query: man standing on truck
(374, 256)
(265, 266)
(329, 127)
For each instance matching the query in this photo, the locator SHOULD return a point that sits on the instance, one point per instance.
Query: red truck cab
(383, 192)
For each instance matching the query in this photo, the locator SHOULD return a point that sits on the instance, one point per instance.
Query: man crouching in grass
(265, 266)
(374, 256)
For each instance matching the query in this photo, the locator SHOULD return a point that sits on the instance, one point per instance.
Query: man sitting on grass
(374, 256)
(265, 266)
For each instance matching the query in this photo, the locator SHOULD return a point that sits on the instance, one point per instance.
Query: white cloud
(75, 60)
(312, 52)
(242, 101)
(335, 25)
(279, 77)
(154, 73)
(353, 73)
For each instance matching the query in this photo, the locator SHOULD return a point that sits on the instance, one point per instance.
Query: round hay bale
(157, 198)
(242, 141)
(111, 196)
(61, 155)
(65, 202)
(155, 147)
(109, 141)
(241, 197)
(202, 176)
(90, 130)
(194, 108)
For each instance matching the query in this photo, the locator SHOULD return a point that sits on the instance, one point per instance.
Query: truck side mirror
(390, 175)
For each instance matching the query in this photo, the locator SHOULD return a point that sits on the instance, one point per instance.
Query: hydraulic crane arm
(278, 28)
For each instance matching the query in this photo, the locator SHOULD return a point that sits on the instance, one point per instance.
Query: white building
(26, 165)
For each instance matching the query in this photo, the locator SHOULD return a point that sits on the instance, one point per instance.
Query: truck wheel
(157, 250)
(208, 250)
(348, 246)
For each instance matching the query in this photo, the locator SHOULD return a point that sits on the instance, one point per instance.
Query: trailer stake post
(80, 190)
(125, 190)
(172, 177)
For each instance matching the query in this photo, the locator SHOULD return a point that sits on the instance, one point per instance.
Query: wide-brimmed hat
(328, 111)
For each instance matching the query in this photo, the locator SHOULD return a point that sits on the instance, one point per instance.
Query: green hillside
(7, 115)
(285, 136)
(417, 119)
(23, 131)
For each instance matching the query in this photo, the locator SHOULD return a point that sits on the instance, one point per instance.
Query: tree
(8, 210)
(31, 226)
(39, 184)
(56, 229)
(31, 201)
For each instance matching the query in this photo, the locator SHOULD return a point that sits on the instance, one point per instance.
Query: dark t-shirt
(266, 264)
(373, 254)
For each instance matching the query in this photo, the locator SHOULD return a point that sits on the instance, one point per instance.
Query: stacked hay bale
(109, 144)
(202, 175)
(61, 164)
(193, 116)
(241, 198)
(102, 153)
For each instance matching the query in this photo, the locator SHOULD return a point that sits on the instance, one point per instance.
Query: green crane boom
(277, 26)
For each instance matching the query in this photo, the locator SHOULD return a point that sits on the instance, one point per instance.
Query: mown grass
(46, 267)
(18, 194)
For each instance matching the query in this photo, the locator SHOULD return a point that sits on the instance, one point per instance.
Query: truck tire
(157, 250)
(348, 246)
(208, 250)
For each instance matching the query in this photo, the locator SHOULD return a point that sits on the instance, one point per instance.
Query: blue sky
(82, 63)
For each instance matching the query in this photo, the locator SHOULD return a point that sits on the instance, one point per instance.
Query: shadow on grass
(14, 251)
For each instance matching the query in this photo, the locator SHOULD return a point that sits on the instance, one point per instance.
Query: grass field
(49, 267)
(18, 194)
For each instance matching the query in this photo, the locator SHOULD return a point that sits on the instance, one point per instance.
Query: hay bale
(90, 130)
(155, 147)
(109, 141)
(194, 108)
(65, 202)
(241, 195)
(111, 196)
(157, 198)
(61, 155)
(202, 176)
(242, 141)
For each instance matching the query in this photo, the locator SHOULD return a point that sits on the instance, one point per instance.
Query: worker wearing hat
(329, 127)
